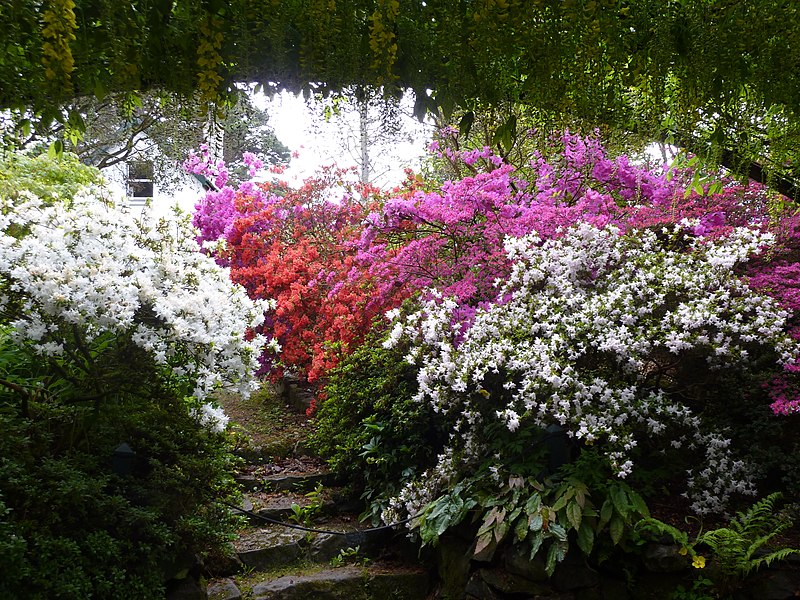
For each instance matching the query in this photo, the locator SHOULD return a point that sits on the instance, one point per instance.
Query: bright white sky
(319, 143)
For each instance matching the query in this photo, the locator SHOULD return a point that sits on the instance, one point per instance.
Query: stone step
(278, 505)
(271, 546)
(296, 393)
(223, 589)
(370, 582)
(288, 483)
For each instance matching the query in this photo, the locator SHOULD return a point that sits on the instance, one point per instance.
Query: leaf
(521, 529)
(465, 124)
(533, 504)
(552, 557)
(620, 500)
(555, 554)
(25, 127)
(586, 538)
(482, 543)
(638, 503)
(606, 511)
(558, 531)
(536, 543)
(500, 531)
(506, 134)
(616, 528)
(488, 521)
(56, 149)
(560, 503)
(580, 496)
(516, 483)
(574, 514)
(536, 522)
(100, 90)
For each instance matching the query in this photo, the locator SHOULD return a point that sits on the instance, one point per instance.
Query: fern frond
(767, 560)
(756, 544)
(758, 519)
(653, 525)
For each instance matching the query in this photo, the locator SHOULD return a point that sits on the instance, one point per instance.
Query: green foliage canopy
(718, 72)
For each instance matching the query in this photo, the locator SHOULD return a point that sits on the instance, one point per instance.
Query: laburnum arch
(719, 74)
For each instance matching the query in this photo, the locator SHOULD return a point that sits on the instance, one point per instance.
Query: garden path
(283, 482)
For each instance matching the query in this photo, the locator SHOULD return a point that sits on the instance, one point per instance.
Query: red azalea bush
(298, 246)
(302, 253)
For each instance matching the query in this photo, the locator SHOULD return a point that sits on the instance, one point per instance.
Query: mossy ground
(264, 426)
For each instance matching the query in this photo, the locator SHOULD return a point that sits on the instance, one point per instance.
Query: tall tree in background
(158, 127)
(371, 126)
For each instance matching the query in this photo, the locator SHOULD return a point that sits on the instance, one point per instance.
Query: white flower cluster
(212, 417)
(589, 331)
(92, 269)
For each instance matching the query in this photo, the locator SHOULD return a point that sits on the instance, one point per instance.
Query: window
(140, 182)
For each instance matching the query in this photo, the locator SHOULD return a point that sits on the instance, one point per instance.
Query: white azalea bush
(87, 277)
(112, 330)
(604, 334)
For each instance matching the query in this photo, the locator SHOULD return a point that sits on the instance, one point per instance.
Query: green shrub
(50, 179)
(369, 429)
(70, 527)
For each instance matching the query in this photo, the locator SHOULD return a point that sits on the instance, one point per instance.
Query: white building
(138, 180)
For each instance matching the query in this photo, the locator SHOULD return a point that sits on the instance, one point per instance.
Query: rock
(613, 589)
(347, 583)
(478, 589)
(774, 584)
(326, 546)
(407, 583)
(223, 590)
(517, 561)
(509, 583)
(188, 588)
(279, 508)
(270, 547)
(664, 558)
(246, 504)
(296, 393)
(399, 546)
(649, 585)
(224, 565)
(297, 483)
(453, 562)
(573, 573)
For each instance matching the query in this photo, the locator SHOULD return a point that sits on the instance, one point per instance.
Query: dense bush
(370, 430)
(51, 179)
(605, 335)
(297, 246)
(111, 331)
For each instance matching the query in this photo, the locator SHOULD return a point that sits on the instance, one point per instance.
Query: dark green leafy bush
(369, 429)
(70, 527)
